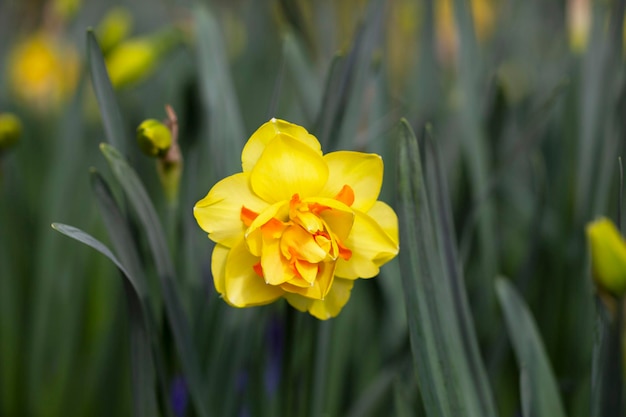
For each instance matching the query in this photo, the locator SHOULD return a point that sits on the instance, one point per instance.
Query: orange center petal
(297, 247)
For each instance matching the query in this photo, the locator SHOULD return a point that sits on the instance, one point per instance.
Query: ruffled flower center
(296, 243)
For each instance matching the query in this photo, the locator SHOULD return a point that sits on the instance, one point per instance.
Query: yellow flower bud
(114, 28)
(154, 137)
(608, 256)
(136, 59)
(10, 130)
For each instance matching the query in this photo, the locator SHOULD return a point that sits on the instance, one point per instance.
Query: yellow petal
(339, 219)
(332, 304)
(276, 269)
(321, 286)
(253, 235)
(371, 247)
(386, 218)
(361, 171)
(259, 140)
(243, 286)
(219, 212)
(608, 255)
(287, 167)
(302, 244)
(218, 267)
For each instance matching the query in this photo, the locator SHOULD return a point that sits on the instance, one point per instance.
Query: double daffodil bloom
(296, 223)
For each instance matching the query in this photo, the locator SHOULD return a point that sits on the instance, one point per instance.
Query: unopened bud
(10, 130)
(153, 137)
(608, 256)
(136, 59)
(114, 28)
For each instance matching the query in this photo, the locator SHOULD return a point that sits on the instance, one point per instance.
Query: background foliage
(512, 127)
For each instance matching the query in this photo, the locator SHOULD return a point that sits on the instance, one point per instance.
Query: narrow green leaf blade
(302, 77)
(116, 225)
(226, 128)
(109, 109)
(451, 376)
(140, 201)
(539, 390)
(144, 399)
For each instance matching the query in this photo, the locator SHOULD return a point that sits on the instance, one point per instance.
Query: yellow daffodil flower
(296, 223)
(608, 256)
(43, 71)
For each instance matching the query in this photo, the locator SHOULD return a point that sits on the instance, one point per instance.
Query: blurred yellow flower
(296, 223)
(43, 71)
(578, 24)
(483, 13)
(136, 59)
(608, 256)
(114, 28)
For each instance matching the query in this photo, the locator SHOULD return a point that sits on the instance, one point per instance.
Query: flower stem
(320, 370)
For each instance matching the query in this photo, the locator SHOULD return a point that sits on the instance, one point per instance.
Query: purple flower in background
(179, 396)
(275, 341)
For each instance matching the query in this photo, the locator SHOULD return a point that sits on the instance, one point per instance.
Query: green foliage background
(507, 147)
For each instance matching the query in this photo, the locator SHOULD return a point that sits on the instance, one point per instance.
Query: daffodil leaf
(109, 109)
(450, 372)
(340, 109)
(301, 76)
(116, 225)
(144, 399)
(226, 128)
(119, 232)
(598, 141)
(477, 156)
(140, 201)
(539, 390)
(607, 391)
(373, 394)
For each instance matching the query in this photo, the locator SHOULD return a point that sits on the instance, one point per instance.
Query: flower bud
(608, 256)
(10, 130)
(136, 59)
(114, 28)
(153, 137)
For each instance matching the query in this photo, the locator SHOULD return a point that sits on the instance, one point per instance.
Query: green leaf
(303, 79)
(539, 391)
(607, 392)
(109, 109)
(341, 108)
(477, 155)
(144, 399)
(449, 369)
(118, 229)
(226, 129)
(140, 201)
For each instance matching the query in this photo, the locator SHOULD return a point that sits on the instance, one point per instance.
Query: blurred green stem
(320, 367)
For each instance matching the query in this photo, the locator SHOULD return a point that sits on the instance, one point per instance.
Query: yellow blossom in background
(296, 223)
(136, 59)
(43, 71)
(608, 256)
(114, 28)
(483, 13)
(66, 9)
(578, 24)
